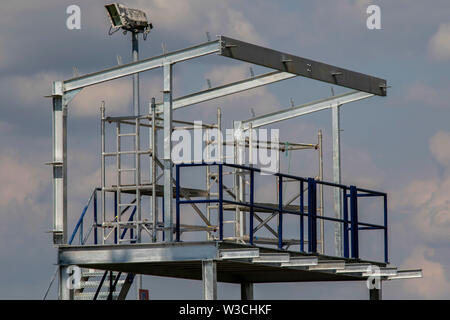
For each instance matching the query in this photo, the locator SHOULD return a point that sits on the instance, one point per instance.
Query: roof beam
(251, 53)
(305, 109)
(228, 89)
(141, 65)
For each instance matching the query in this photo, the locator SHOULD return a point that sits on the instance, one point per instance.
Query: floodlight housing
(133, 20)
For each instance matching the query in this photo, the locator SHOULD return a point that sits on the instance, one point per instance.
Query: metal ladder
(135, 223)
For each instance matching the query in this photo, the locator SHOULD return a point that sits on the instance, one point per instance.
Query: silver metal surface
(228, 89)
(239, 253)
(137, 253)
(209, 277)
(338, 228)
(301, 262)
(59, 163)
(140, 66)
(167, 162)
(272, 258)
(406, 274)
(328, 265)
(289, 113)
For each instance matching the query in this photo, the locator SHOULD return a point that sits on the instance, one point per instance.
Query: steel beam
(209, 277)
(228, 89)
(304, 109)
(140, 66)
(135, 253)
(336, 133)
(406, 274)
(281, 61)
(59, 163)
(167, 162)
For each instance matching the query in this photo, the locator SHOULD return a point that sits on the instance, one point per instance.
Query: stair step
(97, 274)
(90, 295)
(95, 284)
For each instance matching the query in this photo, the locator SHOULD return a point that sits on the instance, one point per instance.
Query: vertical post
(280, 212)
(95, 218)
(135, 51)
(219, 135)
(375, 294)
(65, 293)
(136, 107)
(247, 291)
(337, 178)
(322, 237)
(345, 238)
(354, 221)
(312, 214)
(154, 171)
(59, 130)
(177, 217)
(209, 277)
(168, 191)
(302, 211)
(252, 209)
(103, 168)
(116, 217)
(220, 189)
(386, 244)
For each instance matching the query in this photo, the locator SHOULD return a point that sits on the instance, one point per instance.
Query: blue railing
(79, 227)
(351, 224)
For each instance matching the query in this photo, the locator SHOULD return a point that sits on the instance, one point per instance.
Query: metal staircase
(103, 285)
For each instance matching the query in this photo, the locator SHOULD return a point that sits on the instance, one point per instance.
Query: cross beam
(304, 109)
(141, 65)
(281, 61)
(228, 89)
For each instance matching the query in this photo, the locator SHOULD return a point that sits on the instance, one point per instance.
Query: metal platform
(236, 263)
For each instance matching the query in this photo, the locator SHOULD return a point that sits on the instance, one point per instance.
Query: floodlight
(133, 20)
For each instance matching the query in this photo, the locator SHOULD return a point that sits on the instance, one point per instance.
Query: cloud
(439, 45)
(426, 201)
(21, 180)
(434, 284)
(440, 147)
(260, 99)
(196, 17)
(426, 95)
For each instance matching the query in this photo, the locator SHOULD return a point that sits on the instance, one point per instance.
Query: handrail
(80, 220)
(351, 225)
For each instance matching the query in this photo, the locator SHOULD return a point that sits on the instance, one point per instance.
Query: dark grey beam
(304, 67)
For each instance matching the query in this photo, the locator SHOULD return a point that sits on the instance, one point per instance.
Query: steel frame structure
(286, 66)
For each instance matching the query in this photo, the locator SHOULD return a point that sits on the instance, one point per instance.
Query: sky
(399, 144)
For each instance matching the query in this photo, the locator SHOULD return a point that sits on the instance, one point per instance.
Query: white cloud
(434, 284)
(440, 147)
(426, 95)
(427, 201)
(21, 180)
(196, 17)
(439, 45)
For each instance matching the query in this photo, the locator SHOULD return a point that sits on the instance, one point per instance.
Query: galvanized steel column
(337, 178)
(59, 164)
(168, 191)
(209, 276)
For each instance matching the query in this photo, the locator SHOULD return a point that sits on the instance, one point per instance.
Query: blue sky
(399, 143)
